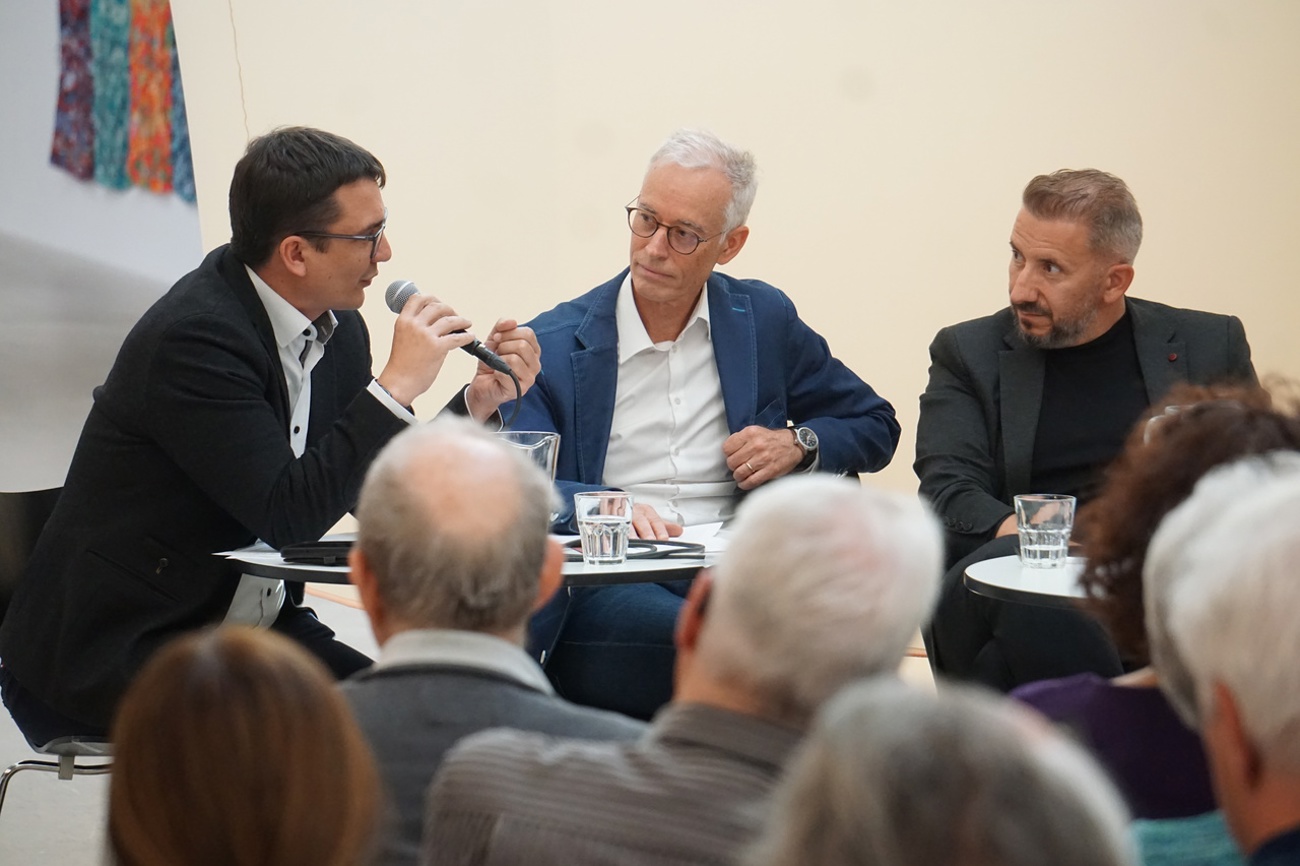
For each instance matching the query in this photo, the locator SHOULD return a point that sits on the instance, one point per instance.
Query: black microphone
(401, 291)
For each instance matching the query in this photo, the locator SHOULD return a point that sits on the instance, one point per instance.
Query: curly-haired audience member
(233, 748)
(1157, 761)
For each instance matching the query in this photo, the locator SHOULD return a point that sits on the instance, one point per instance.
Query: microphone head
(398, 293)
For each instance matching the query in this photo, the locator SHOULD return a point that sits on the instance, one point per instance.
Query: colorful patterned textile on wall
(110, 38)
(149, 153)
(74, 130)
(121, 113)
(182, 162)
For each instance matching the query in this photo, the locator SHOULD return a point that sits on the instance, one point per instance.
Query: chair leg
(66, 768)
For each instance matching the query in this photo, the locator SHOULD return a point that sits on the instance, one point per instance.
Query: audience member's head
(1096, 198)
(1192, 431)
(285, 183)
(698, 148)
(891, 776)
(1223, 568)
(823, 581)
(234, 747)
(453, 533)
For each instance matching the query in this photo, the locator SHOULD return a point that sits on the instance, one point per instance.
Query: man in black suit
(241, 406)
(1038, 398)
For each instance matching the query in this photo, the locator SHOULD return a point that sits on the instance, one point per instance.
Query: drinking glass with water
(604, 523)
(1044, 521)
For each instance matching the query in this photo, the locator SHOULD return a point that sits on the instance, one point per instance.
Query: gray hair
(1100, 199)
(891, 776)
(453, 522)
(698, 148)
(823, 581)
(1229, 613)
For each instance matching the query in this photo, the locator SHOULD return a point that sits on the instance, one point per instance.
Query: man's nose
(1023, 288)
(384, 251)
(657, 243)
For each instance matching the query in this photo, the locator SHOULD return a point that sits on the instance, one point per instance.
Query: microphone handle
(487, 356)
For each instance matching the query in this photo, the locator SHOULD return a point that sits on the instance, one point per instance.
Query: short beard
(1062, 335)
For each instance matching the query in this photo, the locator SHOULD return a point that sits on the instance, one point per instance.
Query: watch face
(807, 438)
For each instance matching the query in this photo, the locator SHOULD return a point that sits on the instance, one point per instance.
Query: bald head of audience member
(823, 581)
(453, 534)
(891, 776)
(1222, 567)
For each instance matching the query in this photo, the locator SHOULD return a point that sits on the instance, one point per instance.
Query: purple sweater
(1154, 759)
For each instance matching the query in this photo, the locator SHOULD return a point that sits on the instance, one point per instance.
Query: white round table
(263, 561)
(1004, 578)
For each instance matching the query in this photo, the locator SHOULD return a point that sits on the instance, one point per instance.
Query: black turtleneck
(1092, 396)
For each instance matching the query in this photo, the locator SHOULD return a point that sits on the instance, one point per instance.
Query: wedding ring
(752, 470)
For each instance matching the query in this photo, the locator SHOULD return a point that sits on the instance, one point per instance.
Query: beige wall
(893, 140)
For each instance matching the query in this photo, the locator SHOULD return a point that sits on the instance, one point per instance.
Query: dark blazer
(773, 369)
(979, 412)
(413, 714)
(185, 453)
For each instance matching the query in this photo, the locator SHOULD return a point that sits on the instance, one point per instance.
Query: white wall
(893, 140)
(154, 235)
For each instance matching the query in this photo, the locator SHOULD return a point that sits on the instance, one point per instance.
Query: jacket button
(162, 563)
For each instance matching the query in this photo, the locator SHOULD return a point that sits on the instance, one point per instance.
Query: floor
(61, 336)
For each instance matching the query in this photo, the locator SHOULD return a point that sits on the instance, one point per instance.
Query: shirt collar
(437, 646)
(287, 322)
(759, 740)
(633, 339)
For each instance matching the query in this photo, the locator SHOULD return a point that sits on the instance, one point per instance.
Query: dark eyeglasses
(372, 238)
(644, 225)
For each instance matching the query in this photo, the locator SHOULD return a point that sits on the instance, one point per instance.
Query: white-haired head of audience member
(892, 776)
(1222, 571)
(823, 581)
(452, 533)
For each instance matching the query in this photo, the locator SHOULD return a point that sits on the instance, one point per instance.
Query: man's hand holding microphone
(427, 329)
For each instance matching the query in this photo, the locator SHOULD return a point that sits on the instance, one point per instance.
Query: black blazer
(979, 412)
(185, 452)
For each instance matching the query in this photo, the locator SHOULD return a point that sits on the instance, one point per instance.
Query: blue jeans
(615, 648)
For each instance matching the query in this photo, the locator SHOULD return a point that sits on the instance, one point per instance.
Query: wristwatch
(806, 439)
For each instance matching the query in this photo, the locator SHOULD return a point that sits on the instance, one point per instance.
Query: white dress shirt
(301, 343)
(665, 442)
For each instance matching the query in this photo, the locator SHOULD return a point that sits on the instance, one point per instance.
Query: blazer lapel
(232, 270)
(1021, 396)
(595, 380)
(735, 350)
(1162, 358)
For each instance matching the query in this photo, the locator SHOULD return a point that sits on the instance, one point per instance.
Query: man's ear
(293, 255)
(691, 619)
(735, 241)
(1235, 753)
(552, 576)
(1118, 278)
(363, 578)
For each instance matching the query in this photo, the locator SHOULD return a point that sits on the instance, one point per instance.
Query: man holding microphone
(240, 407)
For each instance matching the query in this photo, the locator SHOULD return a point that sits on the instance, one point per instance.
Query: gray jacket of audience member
(430, 689)
(693, 790)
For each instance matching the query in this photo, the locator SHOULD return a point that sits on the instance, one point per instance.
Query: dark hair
(285, 182)
(233, 746)
(1189, 433)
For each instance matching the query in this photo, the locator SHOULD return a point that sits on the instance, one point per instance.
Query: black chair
(22, 516)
